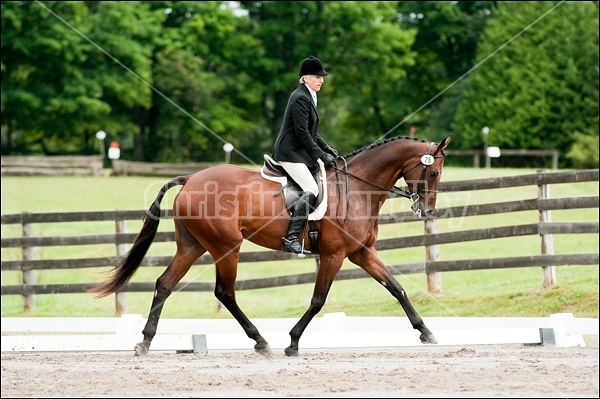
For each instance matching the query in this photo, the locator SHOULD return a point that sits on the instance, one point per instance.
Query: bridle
(426, 160)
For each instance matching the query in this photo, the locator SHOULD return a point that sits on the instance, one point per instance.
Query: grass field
(502, 293)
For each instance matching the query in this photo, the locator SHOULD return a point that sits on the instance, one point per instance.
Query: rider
(298, 146)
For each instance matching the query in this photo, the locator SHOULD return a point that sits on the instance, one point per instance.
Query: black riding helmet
(312, 66)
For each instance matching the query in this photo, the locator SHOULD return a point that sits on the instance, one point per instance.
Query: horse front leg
(368, 259)
(328, 268)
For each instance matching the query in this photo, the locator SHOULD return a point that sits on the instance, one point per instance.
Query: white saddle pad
(319, 212)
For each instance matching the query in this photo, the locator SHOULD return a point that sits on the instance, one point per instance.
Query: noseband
(426, 160)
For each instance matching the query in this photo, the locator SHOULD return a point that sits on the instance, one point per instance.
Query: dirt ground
(428, 371)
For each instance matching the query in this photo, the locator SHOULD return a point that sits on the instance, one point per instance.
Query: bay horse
(218, 207)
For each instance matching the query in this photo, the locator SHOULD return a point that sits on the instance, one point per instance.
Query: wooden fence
(81, 165)
(52, 165)
(93, 164)
(134, 168)
(477, 154)
(431, 241)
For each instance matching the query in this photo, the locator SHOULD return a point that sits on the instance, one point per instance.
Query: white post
(121, 297)
(101, 135)
(227, 147)
(485, 130)
(548, 272)
(432, 254)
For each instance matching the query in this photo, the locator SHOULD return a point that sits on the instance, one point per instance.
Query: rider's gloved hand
(328, 159)
(332, 151)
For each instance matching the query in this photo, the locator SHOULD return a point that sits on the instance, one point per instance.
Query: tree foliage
(173, 81)
(446, 44)
(537, 84)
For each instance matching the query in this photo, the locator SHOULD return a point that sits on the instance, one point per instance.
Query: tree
(363, 48)
(174, 80)
(126, 33)
(540, 88)
(46, 97)
(446, 44)
(204, 94)
(73, 68)
(370, 53)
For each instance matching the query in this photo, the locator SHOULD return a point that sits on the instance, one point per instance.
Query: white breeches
(301, 175)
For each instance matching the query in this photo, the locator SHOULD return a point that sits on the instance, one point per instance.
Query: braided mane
(377, 144)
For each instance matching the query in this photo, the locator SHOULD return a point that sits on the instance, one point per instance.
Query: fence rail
(430, 240)
(477, 154)
(53, 165)
(134, 168)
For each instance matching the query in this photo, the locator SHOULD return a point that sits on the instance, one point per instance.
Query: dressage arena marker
(333, 330)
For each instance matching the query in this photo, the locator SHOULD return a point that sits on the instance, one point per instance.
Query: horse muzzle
(420, 208)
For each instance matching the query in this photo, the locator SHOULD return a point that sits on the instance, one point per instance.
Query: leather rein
(426, 160)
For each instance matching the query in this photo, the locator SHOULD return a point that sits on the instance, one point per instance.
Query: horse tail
(129, 265)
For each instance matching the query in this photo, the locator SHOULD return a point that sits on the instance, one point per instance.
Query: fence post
(121, 297)
(476, 160)
(432, 254)
(28, 275)
(555, 159)
(548, 272)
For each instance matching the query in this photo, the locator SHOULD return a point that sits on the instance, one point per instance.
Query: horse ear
(443, 144)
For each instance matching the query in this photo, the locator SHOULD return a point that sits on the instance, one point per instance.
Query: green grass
(502, 293)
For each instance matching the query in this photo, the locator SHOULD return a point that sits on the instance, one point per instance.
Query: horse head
(423, 177)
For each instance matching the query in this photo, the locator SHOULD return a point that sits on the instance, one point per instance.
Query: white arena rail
(333, 330)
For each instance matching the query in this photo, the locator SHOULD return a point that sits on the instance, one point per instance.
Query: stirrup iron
(301, 255)
(287, 243)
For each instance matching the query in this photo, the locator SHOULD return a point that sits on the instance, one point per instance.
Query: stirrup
(288, 246)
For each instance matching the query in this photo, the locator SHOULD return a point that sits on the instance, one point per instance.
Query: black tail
(127, 268)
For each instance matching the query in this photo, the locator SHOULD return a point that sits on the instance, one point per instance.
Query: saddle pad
(320, 210)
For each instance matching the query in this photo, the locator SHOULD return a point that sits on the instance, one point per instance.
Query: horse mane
(378, 143)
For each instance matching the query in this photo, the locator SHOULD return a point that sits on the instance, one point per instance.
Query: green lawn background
(502, 293)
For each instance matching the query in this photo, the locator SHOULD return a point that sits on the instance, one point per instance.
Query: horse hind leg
(368, 259)
(225, 293)
(188, 250)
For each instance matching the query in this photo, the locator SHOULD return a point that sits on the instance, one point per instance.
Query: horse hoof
(428, 338)
(289, 351)
(140, 349)
(263, 349)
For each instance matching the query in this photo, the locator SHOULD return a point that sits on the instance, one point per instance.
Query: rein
(395, 190)
(426, 160)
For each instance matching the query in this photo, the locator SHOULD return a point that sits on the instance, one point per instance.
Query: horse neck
(383, 164)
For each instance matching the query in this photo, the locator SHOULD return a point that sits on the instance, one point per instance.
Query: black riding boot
(299, 216)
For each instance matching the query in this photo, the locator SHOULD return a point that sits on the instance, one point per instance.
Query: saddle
(273, 171)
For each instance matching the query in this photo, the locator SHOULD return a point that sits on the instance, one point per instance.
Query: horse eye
(433, 174)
